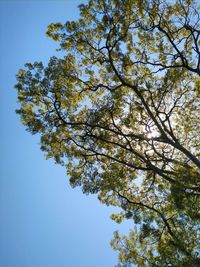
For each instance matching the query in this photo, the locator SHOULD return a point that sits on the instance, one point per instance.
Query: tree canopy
(121, 111)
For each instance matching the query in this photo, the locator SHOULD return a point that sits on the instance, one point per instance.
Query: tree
(121, 111)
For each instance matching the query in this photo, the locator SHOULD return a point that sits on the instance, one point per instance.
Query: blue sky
(44, 222)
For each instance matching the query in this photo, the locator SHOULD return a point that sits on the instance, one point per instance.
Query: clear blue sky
(43, 222)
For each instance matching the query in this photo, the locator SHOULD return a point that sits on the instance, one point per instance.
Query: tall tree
(121, 111)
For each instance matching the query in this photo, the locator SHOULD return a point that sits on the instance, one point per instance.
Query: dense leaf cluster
(121, 111)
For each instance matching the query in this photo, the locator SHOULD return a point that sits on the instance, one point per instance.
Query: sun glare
(150, 131)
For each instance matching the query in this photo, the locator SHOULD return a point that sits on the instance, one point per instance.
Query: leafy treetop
(121, 111)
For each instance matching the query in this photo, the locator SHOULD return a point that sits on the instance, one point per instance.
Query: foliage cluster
(121, 111)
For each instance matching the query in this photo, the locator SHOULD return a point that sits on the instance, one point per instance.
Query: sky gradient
(44, 222)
